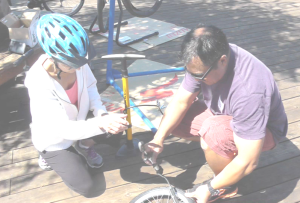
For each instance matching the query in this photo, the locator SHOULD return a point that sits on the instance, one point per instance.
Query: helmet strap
(59, 70)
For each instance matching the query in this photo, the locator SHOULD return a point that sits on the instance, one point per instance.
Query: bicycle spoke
(160, 199)
(168, 199)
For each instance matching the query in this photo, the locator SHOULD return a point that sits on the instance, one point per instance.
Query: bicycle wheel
(67, 7)
(141, 8)
(161, 195)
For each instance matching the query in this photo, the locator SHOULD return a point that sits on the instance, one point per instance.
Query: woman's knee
(87, 183)
(89, 191)
(91, 188)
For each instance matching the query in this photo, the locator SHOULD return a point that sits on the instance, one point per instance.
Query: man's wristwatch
(104, 114)
(212, 191)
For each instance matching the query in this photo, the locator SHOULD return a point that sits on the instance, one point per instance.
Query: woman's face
(66, 68)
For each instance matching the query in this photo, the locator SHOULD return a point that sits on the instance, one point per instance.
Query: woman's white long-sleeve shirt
(56, 123)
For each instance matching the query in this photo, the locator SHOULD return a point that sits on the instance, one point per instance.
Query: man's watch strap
(212, 191)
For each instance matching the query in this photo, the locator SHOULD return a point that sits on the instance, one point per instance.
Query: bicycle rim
(161, 195)
(67, 7)
(142, 8)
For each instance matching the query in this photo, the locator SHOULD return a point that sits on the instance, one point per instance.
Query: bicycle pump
(130, 148)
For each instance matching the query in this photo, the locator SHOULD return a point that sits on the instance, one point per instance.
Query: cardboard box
(27, 18)
(18, 31)
(11, 21)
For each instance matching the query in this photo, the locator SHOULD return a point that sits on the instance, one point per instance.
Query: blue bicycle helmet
(64, 40)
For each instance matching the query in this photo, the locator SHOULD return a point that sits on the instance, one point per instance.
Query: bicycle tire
(139, 13)
(100, 6)
(74, 10)
(162, 193)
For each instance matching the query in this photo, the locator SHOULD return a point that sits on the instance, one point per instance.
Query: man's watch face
(215, 193)
(212, 191)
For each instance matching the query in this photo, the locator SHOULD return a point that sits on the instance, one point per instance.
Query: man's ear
(224, 59)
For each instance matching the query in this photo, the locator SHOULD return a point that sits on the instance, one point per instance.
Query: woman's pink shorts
(215, 130)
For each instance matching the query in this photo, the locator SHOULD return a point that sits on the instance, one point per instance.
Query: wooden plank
(117, 194)
(293, 116)
(25, 153)
(290, 73)
(285, 66)
(128, 192)
(290, 93)
(288, 83)
(115, 177)
(242, 35)
(175, 49)
(34, 180)
(117, 173)
(285, 150)
(45, 194)
(19, 169)
(293, 131)
(4, 188)
(7, 61)
(287, 106)
(291, 104)
(5, 158)
(23, 140)
(175, 44)
(3, 54)
(7, 71)
(125, 193)
(285, 192)
(259, 179)
(292, 109)
(273, 63)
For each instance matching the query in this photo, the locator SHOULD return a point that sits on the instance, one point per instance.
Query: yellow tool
(131, 147)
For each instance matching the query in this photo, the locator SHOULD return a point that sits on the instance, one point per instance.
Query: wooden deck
(267, 28)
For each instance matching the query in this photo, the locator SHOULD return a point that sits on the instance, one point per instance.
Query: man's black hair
(209, 46)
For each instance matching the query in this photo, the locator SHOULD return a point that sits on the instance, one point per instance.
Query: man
(241, 116)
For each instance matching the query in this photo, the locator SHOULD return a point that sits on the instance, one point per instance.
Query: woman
(62, 90)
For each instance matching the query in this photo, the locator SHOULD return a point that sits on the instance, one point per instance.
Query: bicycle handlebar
(148, 156)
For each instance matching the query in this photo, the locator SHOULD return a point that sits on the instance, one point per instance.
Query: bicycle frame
(112, 74)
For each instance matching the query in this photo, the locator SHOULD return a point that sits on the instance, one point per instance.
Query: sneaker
(43, 164)
(227, 192)
(93, 159)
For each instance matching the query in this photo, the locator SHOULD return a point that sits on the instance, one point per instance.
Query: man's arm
(242, 165)
(173, 115)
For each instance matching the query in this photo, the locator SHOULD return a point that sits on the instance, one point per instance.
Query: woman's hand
(113, 123)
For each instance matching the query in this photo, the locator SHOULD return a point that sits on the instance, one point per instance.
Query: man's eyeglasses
(199, 76)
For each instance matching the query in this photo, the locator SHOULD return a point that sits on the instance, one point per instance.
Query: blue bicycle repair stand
(112, 74)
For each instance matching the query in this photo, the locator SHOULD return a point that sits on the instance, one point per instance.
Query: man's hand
(156, 147)
(113, 123)
(201, 194)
